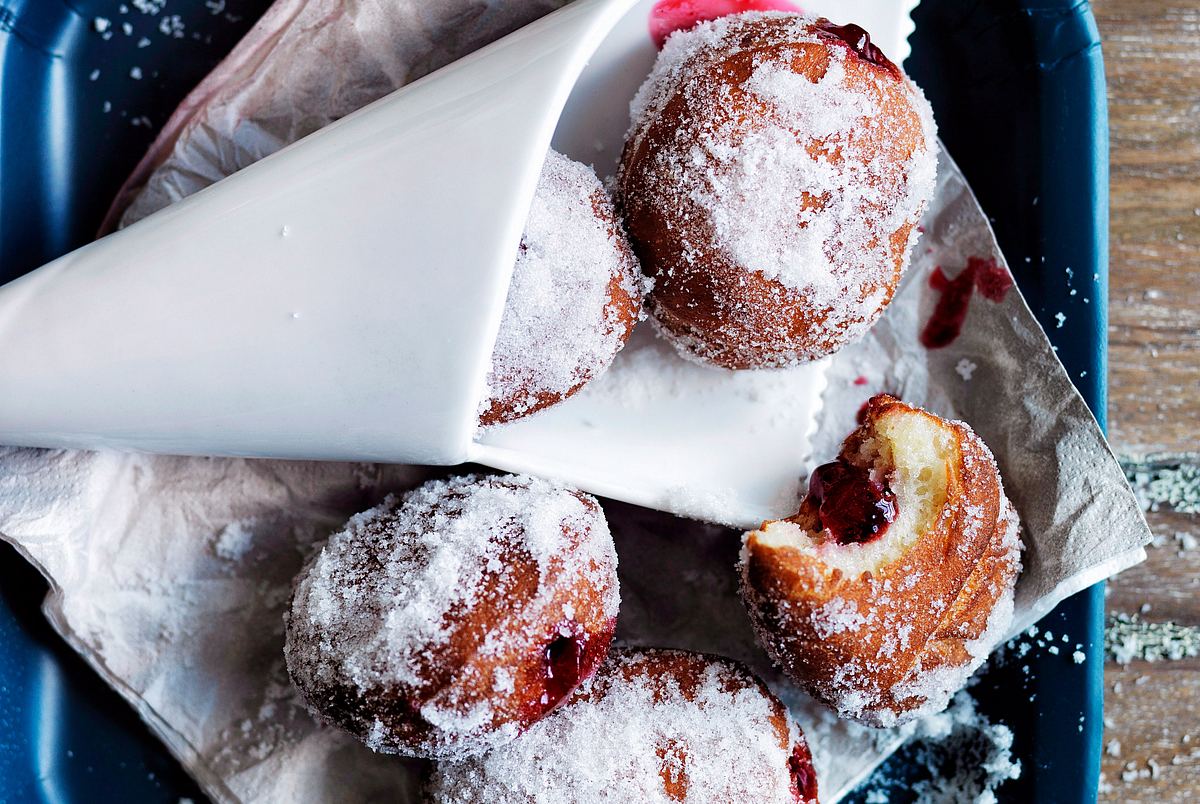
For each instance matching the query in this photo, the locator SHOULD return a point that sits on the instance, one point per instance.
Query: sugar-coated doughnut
(654, 726)
(895, 579)
(772, 181)
(445, 623)
(575, 295)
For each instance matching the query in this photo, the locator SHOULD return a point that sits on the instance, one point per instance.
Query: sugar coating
(957, 756)
(235, 540)
(933, 687)
(634, 729)
(560, 326)
(390, 588)
(936, 687)
(785, 186)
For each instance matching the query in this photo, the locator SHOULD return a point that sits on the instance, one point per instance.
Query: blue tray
(1018, 87)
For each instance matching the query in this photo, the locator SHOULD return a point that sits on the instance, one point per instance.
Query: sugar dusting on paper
(956, 756)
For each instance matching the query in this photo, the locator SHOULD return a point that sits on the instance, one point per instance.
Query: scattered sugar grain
(959, 756)
(1128, 637)
(172, 26)
(235, 540)
(149, 7)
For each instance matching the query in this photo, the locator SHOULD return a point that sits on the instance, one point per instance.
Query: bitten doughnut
(575, 295)
(895, 579)
(655, 726)
(447, 622)
(772, 181)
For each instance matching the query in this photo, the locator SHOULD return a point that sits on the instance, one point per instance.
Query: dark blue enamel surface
(1018, 89)
(64, 735)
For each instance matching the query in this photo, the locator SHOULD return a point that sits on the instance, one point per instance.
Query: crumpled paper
(304, 64)
(170, 575)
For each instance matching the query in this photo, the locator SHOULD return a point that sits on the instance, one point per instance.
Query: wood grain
(1152, 59)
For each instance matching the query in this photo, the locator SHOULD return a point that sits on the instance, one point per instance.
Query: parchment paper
(169, 575)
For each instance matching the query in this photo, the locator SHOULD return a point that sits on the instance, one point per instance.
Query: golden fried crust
(737, 317)
(623, 309)
(886, 643)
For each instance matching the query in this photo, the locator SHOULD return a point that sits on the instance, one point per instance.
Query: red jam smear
(804, 776)
(669, 16)
(852, 506)
(993, 281)
(564, 668)
(570, 657)
(859, 42)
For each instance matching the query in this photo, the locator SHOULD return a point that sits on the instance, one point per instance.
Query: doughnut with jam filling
(772, 181)
(895, 579)
(574, 298)
(446, 623)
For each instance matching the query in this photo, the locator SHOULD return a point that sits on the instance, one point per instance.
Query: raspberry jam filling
(851, 505)
(669, 16)
(858, 41)
(804, 776)
(570, 657)
(564, 667)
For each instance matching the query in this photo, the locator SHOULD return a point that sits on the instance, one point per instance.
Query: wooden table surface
(1152, 724)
